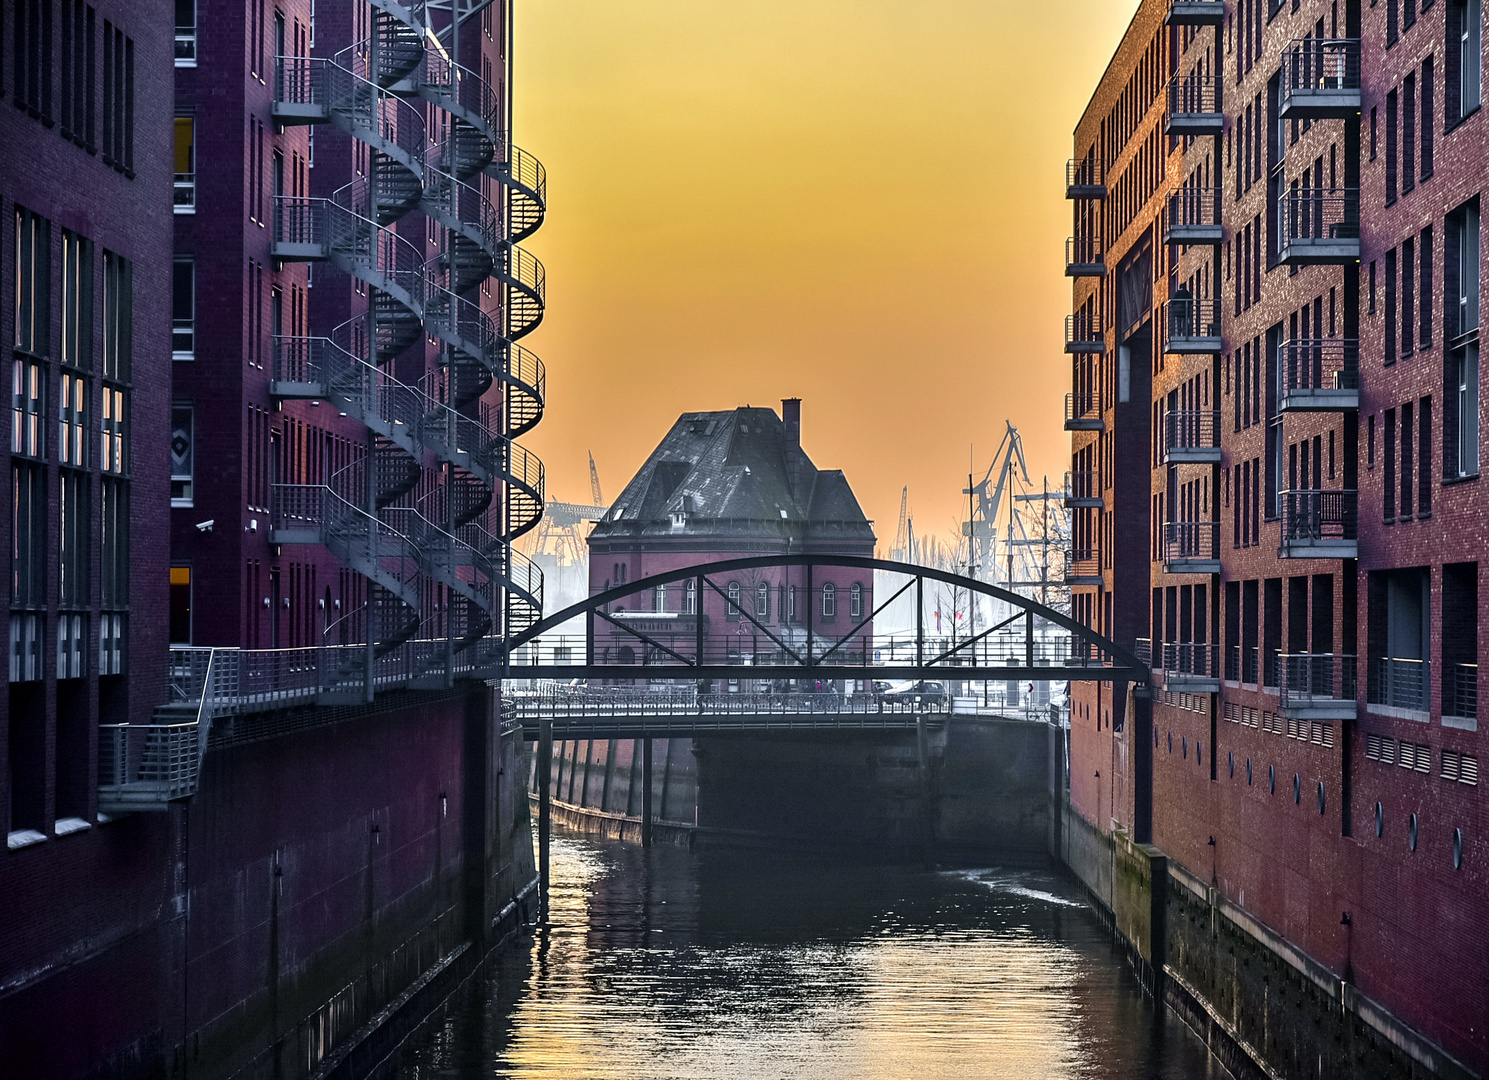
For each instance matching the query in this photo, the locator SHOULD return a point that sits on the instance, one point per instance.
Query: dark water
(666, 964)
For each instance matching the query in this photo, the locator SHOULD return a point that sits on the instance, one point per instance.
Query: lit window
(185, 197)
(112, 431)
(72, 428)
(27, 403)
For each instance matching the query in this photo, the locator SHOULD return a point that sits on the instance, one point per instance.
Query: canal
(668, 964)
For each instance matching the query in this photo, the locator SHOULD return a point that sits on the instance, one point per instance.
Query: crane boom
(594, 483)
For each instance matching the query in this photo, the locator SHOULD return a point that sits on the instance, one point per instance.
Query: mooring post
(927, 823)
(646, 793)
(545, 809)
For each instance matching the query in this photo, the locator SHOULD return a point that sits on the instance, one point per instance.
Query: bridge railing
(613, 701)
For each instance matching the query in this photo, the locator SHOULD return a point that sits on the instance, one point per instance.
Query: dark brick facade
(1257, 789)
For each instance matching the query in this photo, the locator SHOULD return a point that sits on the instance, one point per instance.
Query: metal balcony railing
(1084, 257)
(1083, 180)
(1320, 78)
(1460, 691)
(1194, 216)
(1319, 373)
(1083, 411)
(185, 193)
(1195, 660)
(1241, 663)
(1142, 648)
(1084, 333)
(1316, 680)
(1083, 488)
(1309, 515)
(1194, 106)
(1191, 434)
(1191, 325)
(1082, 566)
(1400, 683)
(1189, 542)
(1318, 225)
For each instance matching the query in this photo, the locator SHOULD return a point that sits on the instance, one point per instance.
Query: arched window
(855, 601)
(829, 600)
(691, 598)
(791, 603)
(659, 598)
(733, 593)
(762, 600)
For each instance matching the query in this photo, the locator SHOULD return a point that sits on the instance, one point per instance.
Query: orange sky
(855, 202)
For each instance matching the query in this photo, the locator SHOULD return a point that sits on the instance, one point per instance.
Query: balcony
(1460, 695)
(1083, 257)
(1319, 375)
(1193, 106)
(1319, 525)
(1083, 411)
(1191, 547)
(1195, 13)
(1084, 334)
(1191, 327)
(1194, 218)
(1317, 686)
(1083, 489)
(1082, 566)
(1320, 79)
(1083, 180)
(1401, 683)
(1318, 226)
(1190, 437)
(1191, 667)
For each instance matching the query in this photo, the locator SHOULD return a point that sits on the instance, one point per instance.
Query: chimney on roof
(791, 415)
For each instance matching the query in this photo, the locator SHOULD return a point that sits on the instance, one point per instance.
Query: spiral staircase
(429, 512)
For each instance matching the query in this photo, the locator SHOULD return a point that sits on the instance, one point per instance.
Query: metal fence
(1319, 515)
(1307, 678)
(1319, 364)
(1460, 690)
(1191, 429)
(1318, 214)
(1401, 683)
(1185, 540)
(1315, 64)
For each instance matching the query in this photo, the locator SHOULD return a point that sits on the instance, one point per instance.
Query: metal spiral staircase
(442, 489)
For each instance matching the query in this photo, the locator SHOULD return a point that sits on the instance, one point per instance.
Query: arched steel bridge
(682, 641)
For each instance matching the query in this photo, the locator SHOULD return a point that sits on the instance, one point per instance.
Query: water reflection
(664, 964)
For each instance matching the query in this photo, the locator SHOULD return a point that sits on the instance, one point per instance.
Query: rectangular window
(1392, 28)
(33, 248)
(118, 99)
(1408, 297)
(72, 421)
(33, 57)
(1424, 328)
(1390, 341)
(77, 300)
(1466, 365)
(28, 534)
(1424, 458)
(111, 643)
(1409, 133)
(185, 166)
(1370, 443)
(77, 54)
(72, 641)
(118, 316)
(27, 408)
(1464, 233)
(112, 432)
(183, 465)
(1427, 116)
(1372, 287)
(1465, 16)
(114, 543)
(1408, 476)
(186, 33)
(1388, 487)
(73, 523)
(183, 310)
(180, 606)
(1390, 147)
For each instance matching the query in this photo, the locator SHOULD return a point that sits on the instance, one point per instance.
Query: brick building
(731, 485)
(1276, 268)
(256, 789)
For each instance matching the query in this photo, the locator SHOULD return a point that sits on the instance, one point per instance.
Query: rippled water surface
(661, 964)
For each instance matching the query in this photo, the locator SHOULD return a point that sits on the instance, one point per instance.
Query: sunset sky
(855, 202)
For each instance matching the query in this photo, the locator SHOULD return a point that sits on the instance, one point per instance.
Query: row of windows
(762, 591)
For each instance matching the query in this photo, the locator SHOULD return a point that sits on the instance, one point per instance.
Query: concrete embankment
(1264, 1008)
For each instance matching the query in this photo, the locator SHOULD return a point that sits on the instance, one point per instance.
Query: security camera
(206, 526)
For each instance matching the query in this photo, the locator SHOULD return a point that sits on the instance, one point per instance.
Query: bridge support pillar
(646, 793)
(927, 815)
(545, 805)
(1140, 703)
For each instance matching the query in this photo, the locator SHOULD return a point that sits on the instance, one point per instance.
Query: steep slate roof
(734, 475)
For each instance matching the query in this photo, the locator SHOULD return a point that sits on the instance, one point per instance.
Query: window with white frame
(659, 598)
(186, 33)
(762, 600)
(829, 601)
(1461, 430)
(690, 598)
(733, 593)
(183, 310)
(183, 454)
(855, 601)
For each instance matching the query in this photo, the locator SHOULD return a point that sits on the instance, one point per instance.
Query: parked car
(918, 689)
